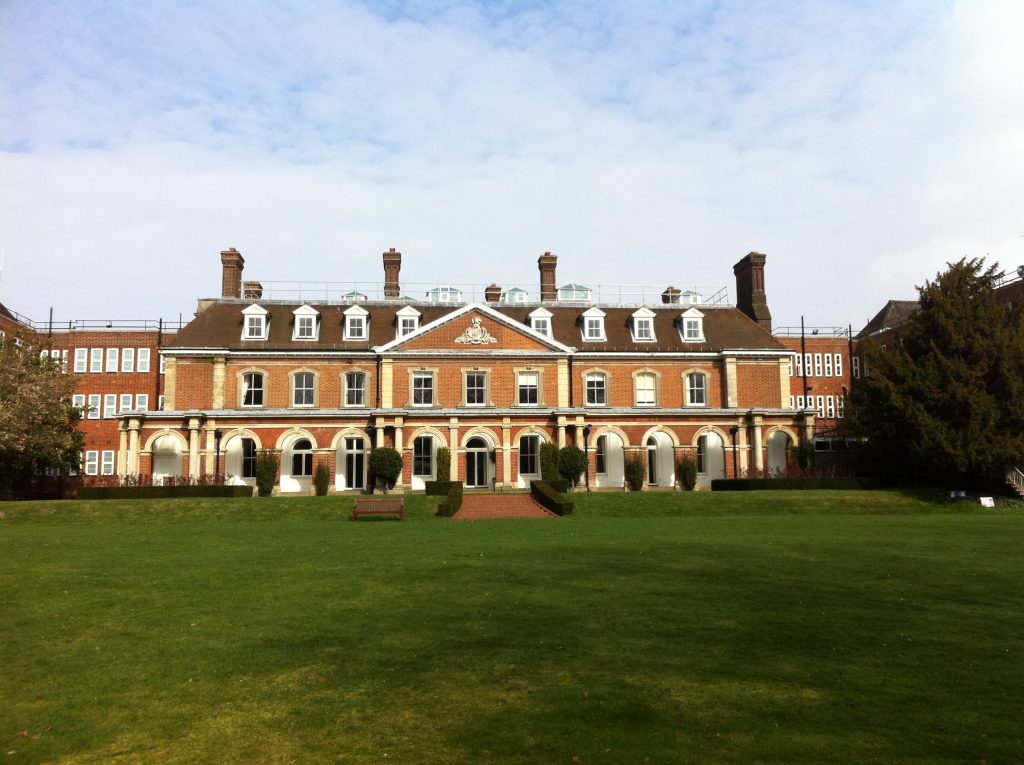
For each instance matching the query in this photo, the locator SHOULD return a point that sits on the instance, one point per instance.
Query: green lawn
(742, 627)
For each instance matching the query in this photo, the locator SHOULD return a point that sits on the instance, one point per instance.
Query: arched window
(302, 458)
(652, 461)
(529, 455)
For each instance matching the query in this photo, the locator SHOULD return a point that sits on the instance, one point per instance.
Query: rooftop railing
(811, 332)
(92, 325)
(345, 292)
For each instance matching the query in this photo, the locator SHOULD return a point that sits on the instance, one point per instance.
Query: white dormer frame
(691, 326)
(443, 293)
(357, 323)
(255, 322)
(514, 295)
(307, 324)
(642, 325)
(593, 325)
(540, 321)
(574, 293)
(407, 321)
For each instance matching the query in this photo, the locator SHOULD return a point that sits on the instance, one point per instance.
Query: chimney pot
(392, 265)
(252, 290)
(492, 293)
(231, 273)
(671, 295)
(547, 263)
(750, 294)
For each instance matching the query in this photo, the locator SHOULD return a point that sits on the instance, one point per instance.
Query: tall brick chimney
(750, 297)
(231, 278)
(546, 263)
(492, 293)
(392, 265)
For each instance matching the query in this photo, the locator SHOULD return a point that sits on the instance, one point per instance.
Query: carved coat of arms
(476, 334)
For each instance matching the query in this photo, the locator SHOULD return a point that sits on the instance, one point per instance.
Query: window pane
(252, 387)
(529, 384)
(355, 389)
(475, 389)
(595, 389)
(422, 456)
(696, 385)
(303, 389)
(422, 389)
(529, 455)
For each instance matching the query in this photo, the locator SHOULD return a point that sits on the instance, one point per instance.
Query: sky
(859, 145)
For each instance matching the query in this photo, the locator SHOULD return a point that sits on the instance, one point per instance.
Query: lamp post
(735, 431)
(586, 455)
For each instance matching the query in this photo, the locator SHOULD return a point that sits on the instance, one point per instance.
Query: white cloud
(859, 147)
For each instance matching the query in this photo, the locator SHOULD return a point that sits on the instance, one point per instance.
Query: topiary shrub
(321, 479)
(549, 462)
(549, 498)
(444, 464)
(633, 464)
(571, 463)
(451, 504)
(386, 464)
(687, 472)
(266, 471)
(439, 488)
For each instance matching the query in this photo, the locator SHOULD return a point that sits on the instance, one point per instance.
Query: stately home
(327, 380)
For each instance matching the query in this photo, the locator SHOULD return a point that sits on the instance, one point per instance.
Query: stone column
(731, 386)
(400, 449)
(758, 426)
(743, 449)
(561, 431)
(453, 446)
(506, 450)
(122, 452)
(133, 446)
(210, 462)
(218, 384)
(193, 447)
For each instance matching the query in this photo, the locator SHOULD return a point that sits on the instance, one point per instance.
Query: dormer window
(593, 325)
(514, 295)
(540, 321)
(353, 297)
(643, 326)
(255, 321)
(691, 326)
(573, 291)
(408, 321)
(357, 323)
(307, 323)
(444, 294)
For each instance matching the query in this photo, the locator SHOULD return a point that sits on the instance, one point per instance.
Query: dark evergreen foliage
(571, 463)
(687, 472)
(549, 462)
(386, 464)
(444, 464)
(266, 471)
(946, 401)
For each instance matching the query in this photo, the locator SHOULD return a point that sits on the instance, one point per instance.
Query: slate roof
(219, 326)
(893, 313)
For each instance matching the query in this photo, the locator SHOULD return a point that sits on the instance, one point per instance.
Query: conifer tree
(946, 401)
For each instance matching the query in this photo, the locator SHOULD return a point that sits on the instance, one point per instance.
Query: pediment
(475, 329)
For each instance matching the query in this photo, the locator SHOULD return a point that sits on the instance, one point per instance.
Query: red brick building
(820, 378)
(327, 380)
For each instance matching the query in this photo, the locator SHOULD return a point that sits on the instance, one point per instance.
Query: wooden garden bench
(390, 506)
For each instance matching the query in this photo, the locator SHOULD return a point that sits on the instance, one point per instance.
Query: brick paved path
(477, 507)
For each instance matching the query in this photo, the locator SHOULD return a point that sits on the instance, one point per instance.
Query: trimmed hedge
(769, 484)
(561, 485)
(451, 504)
(439, 488)
(161, 492)
(543, 492)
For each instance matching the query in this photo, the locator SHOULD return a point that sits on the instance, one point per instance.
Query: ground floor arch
(710, 457)
(609, 460)
(660, 459)
(351, 461)
(779, 444)
(167, 451)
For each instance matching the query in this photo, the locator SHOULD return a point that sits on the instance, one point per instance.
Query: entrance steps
(477, 507)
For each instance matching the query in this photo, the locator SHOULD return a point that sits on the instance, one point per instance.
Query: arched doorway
(710, 457)
(351, 462)
(778, 452)
(297, 466)
(166, 458)
(240, 460)
(660, 460)
(609, 469)
(478, 463)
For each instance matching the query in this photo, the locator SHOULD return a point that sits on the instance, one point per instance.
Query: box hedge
(439, 488)
(769, 484)
(451, 504)
(161, 492)
(543, 492)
